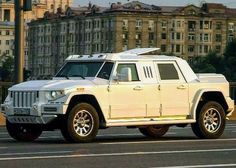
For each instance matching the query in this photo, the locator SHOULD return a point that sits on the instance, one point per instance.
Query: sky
(228, 3)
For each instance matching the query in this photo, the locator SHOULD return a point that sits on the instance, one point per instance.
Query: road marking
(35, 153)
(114, 154)
(199, 166)
(167, 141)
(2, 147)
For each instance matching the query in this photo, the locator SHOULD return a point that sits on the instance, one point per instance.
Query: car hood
(38, 85)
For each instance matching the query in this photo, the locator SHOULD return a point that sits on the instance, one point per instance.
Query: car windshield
(80, 69)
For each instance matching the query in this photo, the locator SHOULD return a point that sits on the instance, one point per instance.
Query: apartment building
(39, 8)
(6, 39)
(186, 31)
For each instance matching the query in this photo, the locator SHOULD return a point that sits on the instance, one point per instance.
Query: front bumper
(43, 114)
(31, 119)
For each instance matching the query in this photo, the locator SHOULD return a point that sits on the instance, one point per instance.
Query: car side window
(106, 70)
(133, 70)
(168, 71)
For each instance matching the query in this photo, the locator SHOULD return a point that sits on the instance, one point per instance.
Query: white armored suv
(129, 89)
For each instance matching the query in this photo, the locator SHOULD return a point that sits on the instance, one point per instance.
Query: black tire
(65, 132)
(82, 124)
(154, 131)
(210, 121)
(23, 132)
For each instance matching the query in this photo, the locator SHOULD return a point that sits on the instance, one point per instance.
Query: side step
(139, 122)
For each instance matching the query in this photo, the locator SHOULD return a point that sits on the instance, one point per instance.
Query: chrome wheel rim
(83, 123)
(212, 120)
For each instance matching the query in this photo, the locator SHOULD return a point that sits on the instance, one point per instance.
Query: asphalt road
(121, 148)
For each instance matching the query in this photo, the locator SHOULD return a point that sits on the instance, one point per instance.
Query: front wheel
(210, 121)
(23, 132)
(82, 123)
(154, 131)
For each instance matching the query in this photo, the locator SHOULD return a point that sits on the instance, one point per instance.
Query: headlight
(53, 95)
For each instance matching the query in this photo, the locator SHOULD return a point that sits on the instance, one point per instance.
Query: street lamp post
(19, 41)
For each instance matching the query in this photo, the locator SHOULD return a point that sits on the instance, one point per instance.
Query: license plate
(22, 111)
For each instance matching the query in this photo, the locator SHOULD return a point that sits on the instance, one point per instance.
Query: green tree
(212, 63)
(7, 68)
(230, 61)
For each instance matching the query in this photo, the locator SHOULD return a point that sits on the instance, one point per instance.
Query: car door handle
(138, 88)
(181, 87)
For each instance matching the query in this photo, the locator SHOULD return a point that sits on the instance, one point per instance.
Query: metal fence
(5, 85)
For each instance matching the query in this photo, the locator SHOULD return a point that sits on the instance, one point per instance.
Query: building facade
(39, 8)
(188, 32)
(6, 39)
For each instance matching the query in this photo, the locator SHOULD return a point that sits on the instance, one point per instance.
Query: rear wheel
(154, 131)
(210, 121)
(23, 132)
(82, 124)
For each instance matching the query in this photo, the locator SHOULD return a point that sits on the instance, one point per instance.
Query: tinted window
(77, 69)
(168, 72)
(133, 70)
(106, 70)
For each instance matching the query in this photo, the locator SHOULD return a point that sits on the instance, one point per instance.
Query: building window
(172, 36)
(164, 24)
(7, 42)
(177, 49)
(191, 25)
(178, 24)
(7, 32)
(206, 37)
(218, 49)
(191, 48)
(7, 15)
(150, 24)
(7, 52)
(163, 48)
(178, 36)
(163, 36)
(0, 32)
(206, 49)
(125, 24)
(191, 37)
(231, 38)
(151, 36)
(138, 23)
(218, 25)
(218, 37)
(205, 24)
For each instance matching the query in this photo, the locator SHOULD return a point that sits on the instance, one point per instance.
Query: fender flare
(197, 98)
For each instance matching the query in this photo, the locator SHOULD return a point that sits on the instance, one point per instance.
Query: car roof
(129, 55)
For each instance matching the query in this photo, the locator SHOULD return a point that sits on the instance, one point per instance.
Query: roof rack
(139, 51)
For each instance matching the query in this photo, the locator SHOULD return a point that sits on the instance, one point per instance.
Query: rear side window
(168, 72)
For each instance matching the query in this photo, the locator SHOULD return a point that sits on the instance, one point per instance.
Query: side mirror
(125, 75)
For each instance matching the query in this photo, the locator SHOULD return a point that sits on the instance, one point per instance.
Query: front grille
(24, 98)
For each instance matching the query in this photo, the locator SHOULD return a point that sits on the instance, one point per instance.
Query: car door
(173, 89)
(126, 97)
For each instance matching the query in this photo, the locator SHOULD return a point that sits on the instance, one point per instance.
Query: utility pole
(19, 41)
(20, 7)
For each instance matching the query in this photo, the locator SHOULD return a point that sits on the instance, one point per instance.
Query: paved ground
(122, 148)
